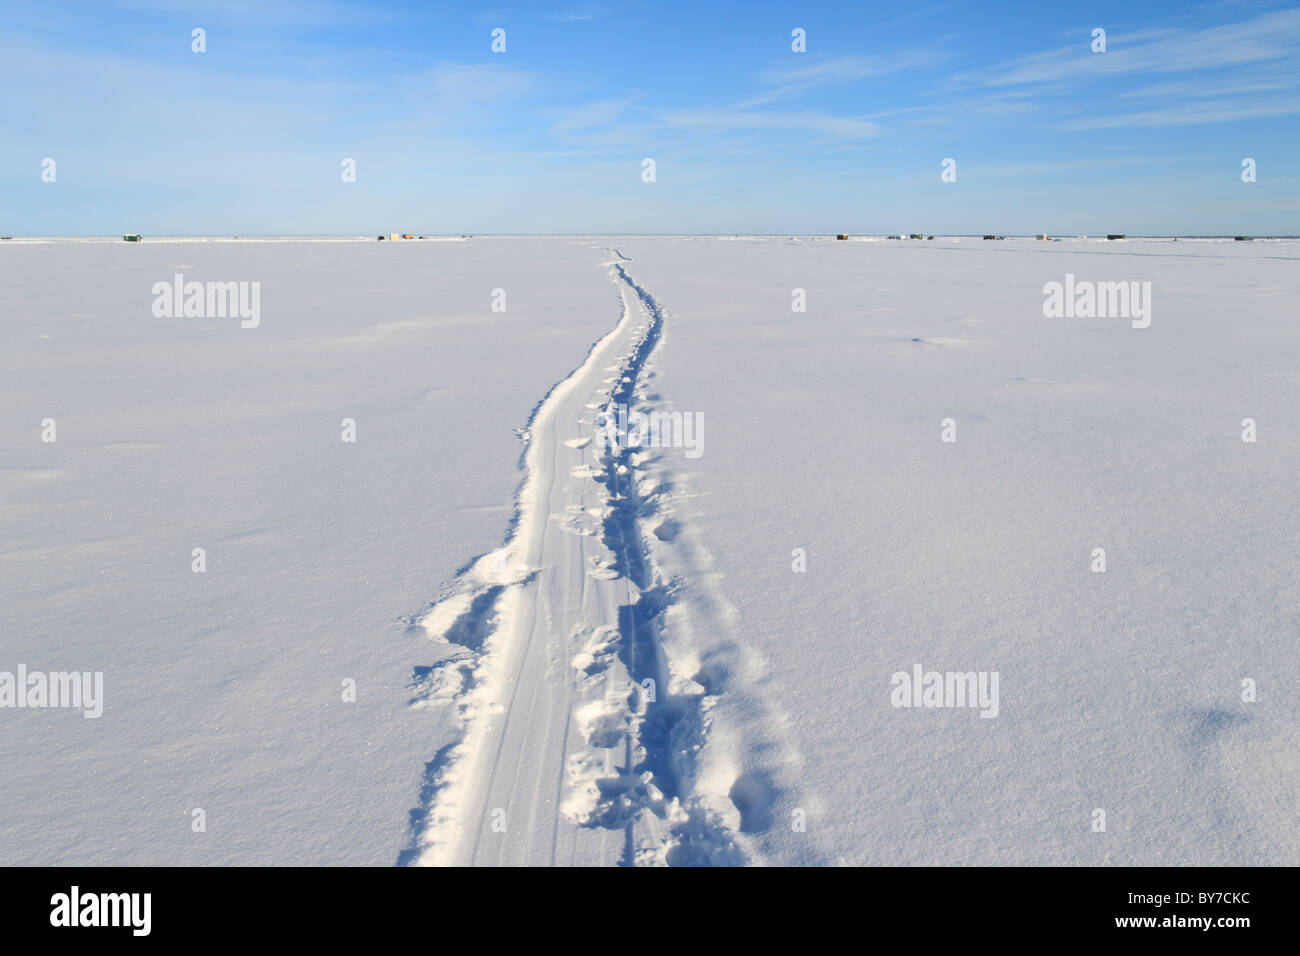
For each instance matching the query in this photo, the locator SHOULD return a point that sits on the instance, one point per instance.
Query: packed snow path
(574, 750)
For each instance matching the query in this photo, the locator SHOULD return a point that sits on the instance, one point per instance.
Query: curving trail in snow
(578, 741)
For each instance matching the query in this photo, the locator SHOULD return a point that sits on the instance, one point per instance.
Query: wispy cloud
(787, 80)
(1216, 86)
(1226, 111)
(266, 13)
(591, 115)
(554, 140)
(1235, 73)
(1272, 36)
(476, 81)
(809, 121)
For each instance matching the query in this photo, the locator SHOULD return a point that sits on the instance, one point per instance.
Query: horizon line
(367, 237)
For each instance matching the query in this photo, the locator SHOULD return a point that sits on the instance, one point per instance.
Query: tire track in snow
(565, 754)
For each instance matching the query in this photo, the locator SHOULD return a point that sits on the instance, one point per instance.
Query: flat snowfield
(649, 550)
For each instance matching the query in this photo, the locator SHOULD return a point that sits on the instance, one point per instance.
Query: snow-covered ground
(568, 647)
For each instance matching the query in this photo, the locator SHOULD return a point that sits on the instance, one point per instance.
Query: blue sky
(747, 135)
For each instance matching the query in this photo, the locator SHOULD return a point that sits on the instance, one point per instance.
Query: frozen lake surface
(501, 626)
